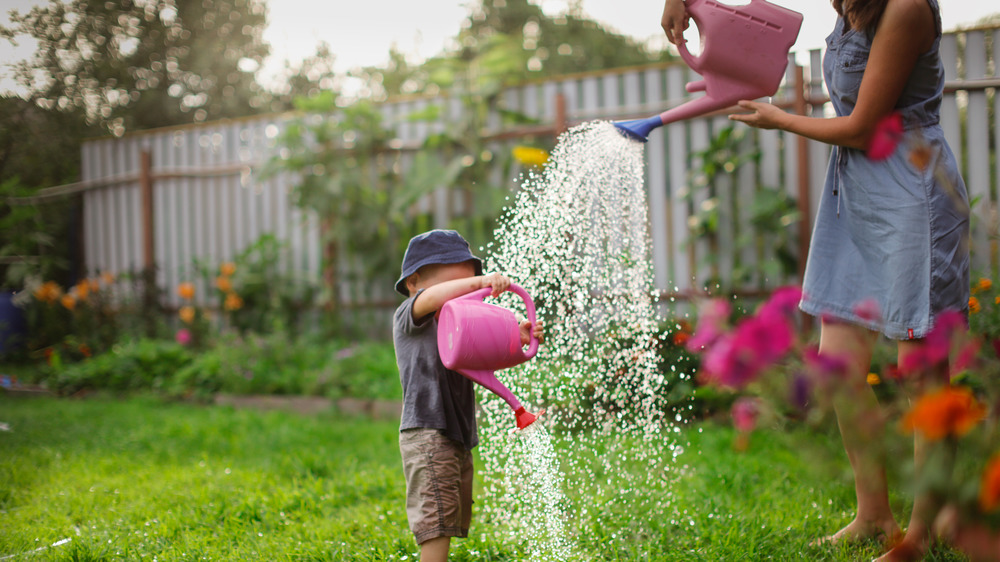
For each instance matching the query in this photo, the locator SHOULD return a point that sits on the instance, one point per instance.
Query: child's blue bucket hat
(435, 247)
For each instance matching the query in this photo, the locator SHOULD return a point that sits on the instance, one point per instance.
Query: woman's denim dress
(889, 230)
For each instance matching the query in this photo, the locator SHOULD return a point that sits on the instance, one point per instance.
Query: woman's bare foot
(886, 532)
(906, 551)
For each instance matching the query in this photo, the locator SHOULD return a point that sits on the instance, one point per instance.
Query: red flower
(888, 134)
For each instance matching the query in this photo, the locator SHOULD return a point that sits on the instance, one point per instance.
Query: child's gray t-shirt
(433, 396)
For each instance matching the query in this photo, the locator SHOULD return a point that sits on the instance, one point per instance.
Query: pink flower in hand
(888, 134)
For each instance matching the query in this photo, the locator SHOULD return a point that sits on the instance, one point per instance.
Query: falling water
(576, 239)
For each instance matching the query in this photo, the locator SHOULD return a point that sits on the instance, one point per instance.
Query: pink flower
(183, 336)
(712, 320)
(888, 134)
(744, 413)
(936, 347)
(825, 365)
(784, 300)
(757, 343)
(868, 310)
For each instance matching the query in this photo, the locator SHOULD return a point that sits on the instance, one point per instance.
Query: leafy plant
(771, 214)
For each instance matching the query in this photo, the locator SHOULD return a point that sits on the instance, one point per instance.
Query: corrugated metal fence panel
(977, 148)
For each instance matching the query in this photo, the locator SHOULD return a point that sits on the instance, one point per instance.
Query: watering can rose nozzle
(526, 418)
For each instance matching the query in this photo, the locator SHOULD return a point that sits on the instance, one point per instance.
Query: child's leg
(861, 425)
(435, 550)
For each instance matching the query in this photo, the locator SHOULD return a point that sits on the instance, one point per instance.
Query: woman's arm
(906, 30)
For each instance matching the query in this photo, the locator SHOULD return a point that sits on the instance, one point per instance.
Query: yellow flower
(989, 486)
(874, 379)
(223, 283)
(186, 290)
(228, 268)
(974, 306)
(68, 301)
(950, 411)
(233, 302)
(48, 292)
(530, 156)
(187, 314)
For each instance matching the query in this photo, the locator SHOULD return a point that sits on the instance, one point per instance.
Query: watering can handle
(528, 304)
(691, 60)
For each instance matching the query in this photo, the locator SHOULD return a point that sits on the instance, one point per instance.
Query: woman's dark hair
(860, 14)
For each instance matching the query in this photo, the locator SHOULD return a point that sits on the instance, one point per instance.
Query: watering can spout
(526, 418)
(638, 129)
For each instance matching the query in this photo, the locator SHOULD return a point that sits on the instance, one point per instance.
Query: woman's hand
(674, 21)
(762, 116)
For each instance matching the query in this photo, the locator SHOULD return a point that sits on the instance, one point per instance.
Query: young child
(438, 427)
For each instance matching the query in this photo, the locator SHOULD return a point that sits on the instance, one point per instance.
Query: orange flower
(989, 486)
(95, 284)
(228, 268)
(82, 290)
(680, 338)
(186, 290)
(187, 314)
(951, 411)
(984, 284)
(920, 156)
(233, 302)
(48, 292)
(974, 306)
(69, 301)
(874, 379)
(84, 350)
(108, 277)
(223, 283)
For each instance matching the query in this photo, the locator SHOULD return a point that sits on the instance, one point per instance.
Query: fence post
(560, 120)
(146, 187)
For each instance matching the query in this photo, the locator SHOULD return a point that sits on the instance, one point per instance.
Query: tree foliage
(138, 64)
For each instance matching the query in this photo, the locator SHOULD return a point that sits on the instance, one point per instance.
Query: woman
(887, 230)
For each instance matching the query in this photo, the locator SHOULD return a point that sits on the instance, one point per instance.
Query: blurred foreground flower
(888, 134)
(989, 486)
(950, 411)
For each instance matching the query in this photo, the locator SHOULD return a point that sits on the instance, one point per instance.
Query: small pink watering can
(476, 338)
(743, 57)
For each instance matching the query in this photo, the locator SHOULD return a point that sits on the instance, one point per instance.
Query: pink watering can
(476, 338)
(743, 57)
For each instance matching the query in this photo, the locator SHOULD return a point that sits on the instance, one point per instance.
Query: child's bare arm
(433, 298)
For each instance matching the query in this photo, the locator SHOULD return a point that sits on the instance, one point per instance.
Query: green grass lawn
(142, 479)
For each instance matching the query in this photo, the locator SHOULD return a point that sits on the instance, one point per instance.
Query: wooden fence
(168, 197)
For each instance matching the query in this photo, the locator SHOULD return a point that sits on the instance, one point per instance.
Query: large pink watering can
(744, 53)
(476, 338)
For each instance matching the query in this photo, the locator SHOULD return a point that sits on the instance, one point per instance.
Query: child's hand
(527, 331)
(500, 283)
